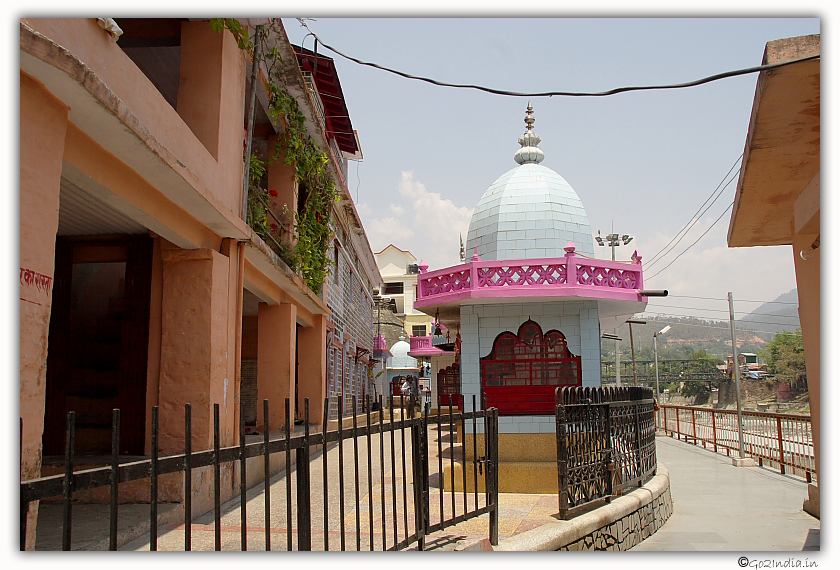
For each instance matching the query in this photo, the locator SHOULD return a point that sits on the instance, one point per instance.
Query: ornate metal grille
(449, 386)
(522, 371)
(606, 443)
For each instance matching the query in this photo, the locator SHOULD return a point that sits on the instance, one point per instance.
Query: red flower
(273, 227)
(272, 193)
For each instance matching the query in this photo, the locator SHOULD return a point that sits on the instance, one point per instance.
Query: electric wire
(724, 298)
(615, 91)
(678, 315)
(696, 217)
(693, 244)
(723, 311)
(724, 326)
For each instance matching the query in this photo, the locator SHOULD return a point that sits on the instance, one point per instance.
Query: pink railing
(531, 275)
(781, 440)
(418, 342)
(379, 343)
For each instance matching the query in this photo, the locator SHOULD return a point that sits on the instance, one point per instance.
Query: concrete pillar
(43, 125)
(312, 372)
(276, 363)
(808, 290)
(196, 348)
(211, 101)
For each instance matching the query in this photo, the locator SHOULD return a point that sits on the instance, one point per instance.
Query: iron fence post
(70, 444)
(781, 446)
(153, 523)
(115, 478)
(24, 502)
(243, 483)
(417, 476)
(562, 474)
(303, 500)
(714, 431)
(217, 488)
(493, 475)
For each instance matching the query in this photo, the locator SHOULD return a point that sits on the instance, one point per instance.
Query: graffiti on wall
(30, 278)
(629, 531)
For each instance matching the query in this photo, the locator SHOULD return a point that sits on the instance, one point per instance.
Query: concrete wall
(44, 123)
(481, 324)
(619, 525)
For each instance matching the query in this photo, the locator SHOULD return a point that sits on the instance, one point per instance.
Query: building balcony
(615, 285)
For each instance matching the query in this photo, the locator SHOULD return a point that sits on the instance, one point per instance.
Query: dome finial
(530, 153)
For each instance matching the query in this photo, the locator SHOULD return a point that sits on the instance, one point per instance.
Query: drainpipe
(255, 66)
(237, 351)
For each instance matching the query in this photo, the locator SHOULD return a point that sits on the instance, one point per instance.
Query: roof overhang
(782, 153)
(338, 122)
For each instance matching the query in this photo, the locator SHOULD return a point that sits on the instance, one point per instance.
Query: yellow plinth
(536, 477)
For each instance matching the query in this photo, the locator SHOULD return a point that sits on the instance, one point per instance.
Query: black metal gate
(606, 443)
(311, 491)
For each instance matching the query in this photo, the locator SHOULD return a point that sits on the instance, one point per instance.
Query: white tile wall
(527, 198)
(480, 324)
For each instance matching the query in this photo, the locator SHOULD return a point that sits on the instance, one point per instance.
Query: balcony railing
(783, 441)
(527, 277)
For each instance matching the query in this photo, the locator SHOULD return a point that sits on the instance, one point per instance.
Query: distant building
(399, 270)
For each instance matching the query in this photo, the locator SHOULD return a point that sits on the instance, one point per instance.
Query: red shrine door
(449, 386)
(522, 371)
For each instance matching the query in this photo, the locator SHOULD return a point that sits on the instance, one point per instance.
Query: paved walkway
(717, 507)
(720, 507)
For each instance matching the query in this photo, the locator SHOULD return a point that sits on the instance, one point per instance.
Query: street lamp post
(630, 324)
(656, 356)
(612, 240)
(737, 371)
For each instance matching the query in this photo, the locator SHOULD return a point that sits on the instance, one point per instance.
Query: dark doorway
(98, 343)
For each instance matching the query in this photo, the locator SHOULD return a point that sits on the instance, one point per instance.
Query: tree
(785, 357)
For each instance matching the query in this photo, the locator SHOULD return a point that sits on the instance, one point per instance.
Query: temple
(528, 309)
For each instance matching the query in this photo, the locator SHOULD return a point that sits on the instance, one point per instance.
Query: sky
(642, 163)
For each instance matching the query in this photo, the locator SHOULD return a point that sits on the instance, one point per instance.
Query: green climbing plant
(307, 254)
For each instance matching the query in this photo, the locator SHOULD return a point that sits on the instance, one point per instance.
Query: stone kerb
(619, 525)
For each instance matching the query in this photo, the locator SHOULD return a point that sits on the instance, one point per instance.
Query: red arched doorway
(522, 371)
(449, 386)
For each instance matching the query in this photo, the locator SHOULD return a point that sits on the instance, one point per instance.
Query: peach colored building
(778, 197)
(141, 283)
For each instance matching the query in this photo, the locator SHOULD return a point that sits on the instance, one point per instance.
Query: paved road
(719, 507)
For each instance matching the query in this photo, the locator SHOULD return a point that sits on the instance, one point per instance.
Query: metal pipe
(656, 364)
(633, 356)
(737, 373)
(251, 109)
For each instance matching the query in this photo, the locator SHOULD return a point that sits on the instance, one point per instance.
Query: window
(418, 330)
(394, 288)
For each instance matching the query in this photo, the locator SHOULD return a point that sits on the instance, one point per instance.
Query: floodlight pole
(633, 356)
(737, 372)
(617, 362)
(656, 356)
(656, 364)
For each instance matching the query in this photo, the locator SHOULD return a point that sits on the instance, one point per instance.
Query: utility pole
(633, 355)
(617, 361)
(737, 373)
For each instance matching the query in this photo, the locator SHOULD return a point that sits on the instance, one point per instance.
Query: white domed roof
(529, 212)
(400, 358)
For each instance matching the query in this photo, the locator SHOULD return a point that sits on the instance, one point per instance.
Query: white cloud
(424, 223)
(384, 231)
(712, 269)
(438, 220)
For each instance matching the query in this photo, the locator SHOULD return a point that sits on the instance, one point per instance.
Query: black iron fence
(409, 485)
(606, 443)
